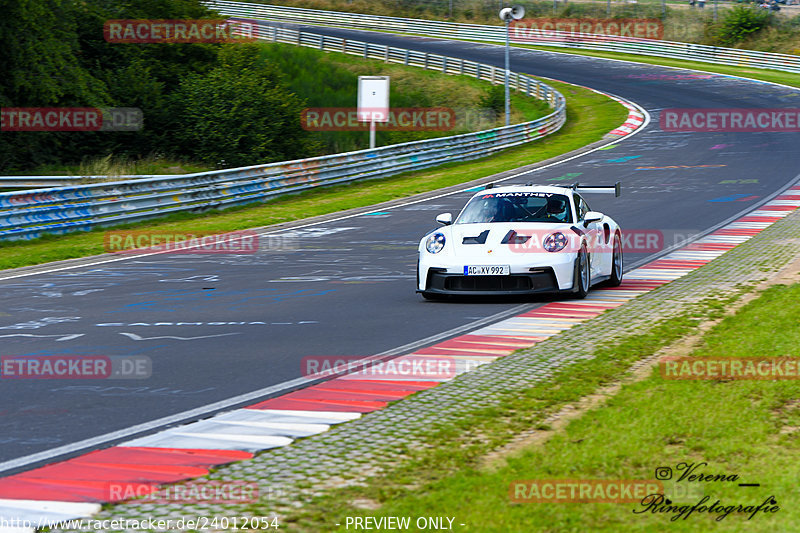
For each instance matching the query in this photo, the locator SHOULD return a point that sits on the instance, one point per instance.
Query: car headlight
(435, 243)
(555, 242)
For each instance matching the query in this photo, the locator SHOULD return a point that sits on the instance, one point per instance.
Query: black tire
(616, 264)
(582, 276)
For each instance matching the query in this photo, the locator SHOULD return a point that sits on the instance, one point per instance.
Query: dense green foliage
(54, 55)
(739, 23)
(218, 105)
(239, 110)
(331, 80)
(495, 99)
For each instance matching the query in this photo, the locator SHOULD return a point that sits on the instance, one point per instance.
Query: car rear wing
(604, 189)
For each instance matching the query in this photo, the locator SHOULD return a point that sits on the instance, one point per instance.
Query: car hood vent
(480, 239)
(512, 237)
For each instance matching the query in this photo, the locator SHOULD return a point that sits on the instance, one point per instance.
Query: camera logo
(663, 473)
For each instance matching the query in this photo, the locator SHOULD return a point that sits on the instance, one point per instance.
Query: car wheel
(616, 264)
(582, 273)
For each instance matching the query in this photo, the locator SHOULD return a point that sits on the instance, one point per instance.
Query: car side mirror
(445, 219)
(592, 216)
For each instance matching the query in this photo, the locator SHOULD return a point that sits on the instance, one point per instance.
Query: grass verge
(774, 76)
(477, 105)
(113, 165)
(589, 117)
(747, 428)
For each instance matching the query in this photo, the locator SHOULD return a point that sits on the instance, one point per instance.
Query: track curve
(219, 326)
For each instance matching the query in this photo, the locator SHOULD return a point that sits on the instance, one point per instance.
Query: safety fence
(32, 213)
(519, 34)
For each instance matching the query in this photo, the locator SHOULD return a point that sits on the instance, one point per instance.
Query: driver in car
(556, 210)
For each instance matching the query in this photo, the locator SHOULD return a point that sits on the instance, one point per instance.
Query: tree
(240, 113)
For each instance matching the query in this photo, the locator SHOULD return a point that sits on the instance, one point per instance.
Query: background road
(220, 325)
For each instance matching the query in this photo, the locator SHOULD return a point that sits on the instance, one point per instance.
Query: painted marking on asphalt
(60, 338)
(136, 337)
(623, 159)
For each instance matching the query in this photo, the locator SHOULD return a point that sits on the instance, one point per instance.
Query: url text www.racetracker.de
(199, 523)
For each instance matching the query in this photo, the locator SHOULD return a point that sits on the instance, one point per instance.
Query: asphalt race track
(218, 326)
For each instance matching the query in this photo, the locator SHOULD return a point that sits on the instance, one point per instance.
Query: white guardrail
(32, 213)
(521, 35)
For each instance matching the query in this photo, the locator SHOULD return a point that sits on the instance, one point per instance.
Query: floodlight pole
(508, 69)
(506, 15)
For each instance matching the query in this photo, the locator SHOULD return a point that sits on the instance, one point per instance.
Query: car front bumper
(557, 276)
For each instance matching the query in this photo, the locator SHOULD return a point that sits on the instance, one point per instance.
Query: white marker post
(373, 102)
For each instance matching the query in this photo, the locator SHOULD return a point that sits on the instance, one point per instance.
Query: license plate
(485, 270)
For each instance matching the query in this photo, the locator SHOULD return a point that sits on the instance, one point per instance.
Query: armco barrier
(476, 32)
(29, 214)
(9, 182)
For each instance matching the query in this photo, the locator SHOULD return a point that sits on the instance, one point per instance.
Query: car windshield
(517, 207)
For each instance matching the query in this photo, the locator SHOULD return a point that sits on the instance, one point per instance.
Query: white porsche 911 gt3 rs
(522, 239)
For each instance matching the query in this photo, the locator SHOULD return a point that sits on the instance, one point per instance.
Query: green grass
(330, 79)
(589, 117)
(733, 426)
(116, 166)
(774, 76)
